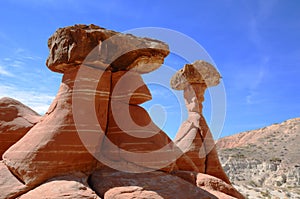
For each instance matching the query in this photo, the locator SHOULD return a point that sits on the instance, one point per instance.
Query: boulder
(10, 186)
(67, 187)
(131, 192)
(97, 47)
(213, 185)
(156, 184)
(16, 119)
(199, 72)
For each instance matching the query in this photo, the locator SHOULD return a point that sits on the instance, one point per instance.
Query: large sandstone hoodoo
(96, 131)
(53, 145)
(194, 137)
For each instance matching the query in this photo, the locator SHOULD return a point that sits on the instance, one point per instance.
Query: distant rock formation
(264, 162)
(16, 120)
(95, 129)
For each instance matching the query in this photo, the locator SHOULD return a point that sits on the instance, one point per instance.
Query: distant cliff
(264, 163)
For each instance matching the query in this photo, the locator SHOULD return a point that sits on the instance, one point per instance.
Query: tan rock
(98, 47)
(67, 187)
(53, 146)
(144, 185)
(16, 120)
(214, 185)
(199, 72)
(10, 187)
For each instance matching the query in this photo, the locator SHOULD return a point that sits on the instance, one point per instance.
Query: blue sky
(254, 43)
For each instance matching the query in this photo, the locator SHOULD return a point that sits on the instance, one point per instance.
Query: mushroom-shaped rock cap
(105, 49)
(199, 72)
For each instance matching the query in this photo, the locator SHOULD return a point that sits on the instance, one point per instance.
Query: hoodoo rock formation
(96, 141)
(194, 137)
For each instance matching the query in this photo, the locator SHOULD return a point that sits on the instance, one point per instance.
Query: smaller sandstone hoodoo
(194, 137)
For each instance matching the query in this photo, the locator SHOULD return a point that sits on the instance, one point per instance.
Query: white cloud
(5, 72)
(35, 100)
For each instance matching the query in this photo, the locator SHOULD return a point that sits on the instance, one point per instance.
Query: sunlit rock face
(97, 141)
(16, 119)
(194, 136)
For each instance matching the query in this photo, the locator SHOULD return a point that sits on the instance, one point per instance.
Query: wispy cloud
(5, 72)
(257, 20)
(36, 100)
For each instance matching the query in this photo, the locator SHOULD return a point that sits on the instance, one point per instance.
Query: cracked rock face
(199, 72)
(105, 49)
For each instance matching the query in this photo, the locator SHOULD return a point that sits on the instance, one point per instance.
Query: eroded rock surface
(194, 137)
(143, 185)
(10, 187)
(16, 120)
(70, 47)
(264, 162)
(68, 187)
(96, 123)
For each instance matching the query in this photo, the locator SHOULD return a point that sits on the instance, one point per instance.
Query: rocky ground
(264, 163)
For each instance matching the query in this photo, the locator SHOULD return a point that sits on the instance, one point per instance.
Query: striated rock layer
(52, 147)
(96, 123)
(16, 120)
(10, 187)
(264, 162)
(194, 137)
(68, 138)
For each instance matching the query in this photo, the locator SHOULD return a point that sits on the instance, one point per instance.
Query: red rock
(10, 187)
(133, 142)
(137, 139)
(131, 192)
(67, 187)
(209, 183)
(213, 165)
(53, 146)
(95, 120)
(194, 137)
(16, 120)
(129, 88)
(74, 45)
(215, 185)
(144, 185)
(189, 140)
